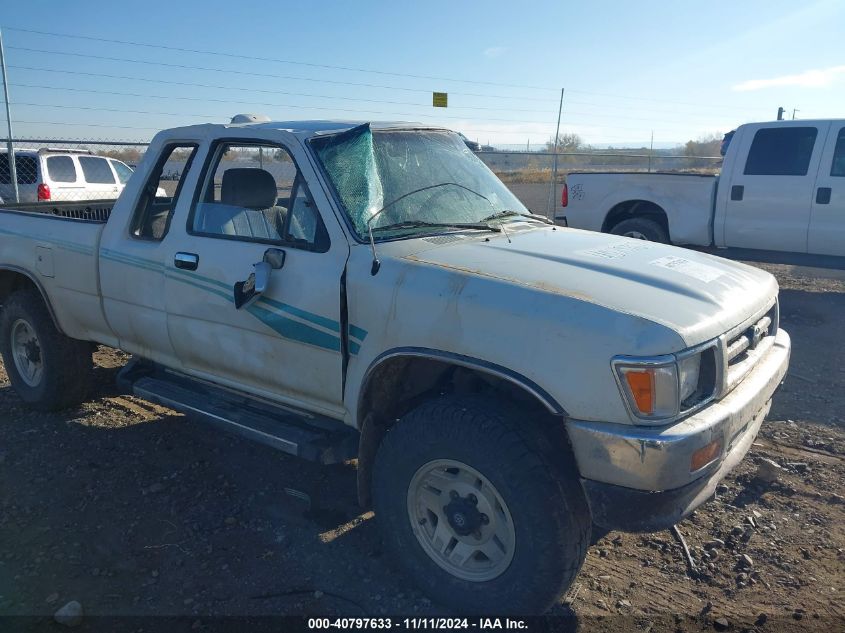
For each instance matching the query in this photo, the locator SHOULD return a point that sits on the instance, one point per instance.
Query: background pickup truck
(342, 290)
(782, 188)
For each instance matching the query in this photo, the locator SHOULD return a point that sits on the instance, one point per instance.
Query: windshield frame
(419, 232)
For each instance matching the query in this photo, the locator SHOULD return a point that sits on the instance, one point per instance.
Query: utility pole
(13, 168)
(553, 187)
(794, 110)
(650, 151)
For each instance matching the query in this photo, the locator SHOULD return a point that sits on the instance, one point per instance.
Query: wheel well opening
(12, 281)
(635, 209)
(400, 384)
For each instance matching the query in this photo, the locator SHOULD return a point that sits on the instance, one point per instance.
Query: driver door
(286, 344)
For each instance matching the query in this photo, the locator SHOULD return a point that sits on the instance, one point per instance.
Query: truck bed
(597, 200)
(91, 210)
(58, 244)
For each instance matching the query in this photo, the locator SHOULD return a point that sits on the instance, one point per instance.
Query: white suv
(62, 175)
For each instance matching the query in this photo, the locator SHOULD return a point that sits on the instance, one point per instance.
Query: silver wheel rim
(26, 351)
(635, 234)
(460, 520)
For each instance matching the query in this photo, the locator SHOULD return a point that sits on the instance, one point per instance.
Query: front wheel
(48, 370)
(474, 509)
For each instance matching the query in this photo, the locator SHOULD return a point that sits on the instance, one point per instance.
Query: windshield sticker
(616, 251)
(702, 272)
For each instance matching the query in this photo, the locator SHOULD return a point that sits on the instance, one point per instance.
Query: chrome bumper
(654, 459)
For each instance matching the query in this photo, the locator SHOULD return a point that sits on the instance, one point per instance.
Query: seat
(247, 206)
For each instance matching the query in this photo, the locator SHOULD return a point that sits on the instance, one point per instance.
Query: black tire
(636, 227)
(550, 518)
(66, 362)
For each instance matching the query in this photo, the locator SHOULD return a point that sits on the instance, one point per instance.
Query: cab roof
(310, 128)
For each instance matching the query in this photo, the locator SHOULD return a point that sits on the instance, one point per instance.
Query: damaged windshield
(411, 180)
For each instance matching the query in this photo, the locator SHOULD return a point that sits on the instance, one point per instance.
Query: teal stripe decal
(201, 286)
(295, 330)
(327, 323)
(288, 328)
(357, 332)
(70, 246)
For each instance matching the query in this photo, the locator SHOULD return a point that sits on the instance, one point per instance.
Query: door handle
(186, 261)
(737, 192)
(823, 195)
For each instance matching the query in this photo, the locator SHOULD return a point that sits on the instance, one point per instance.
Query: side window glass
(26, 167)
(151, 218)
(838, 166)
(96, 170)
(249, 194)
(303, 223)
(61, 169)
(122, 170)
(781, 151)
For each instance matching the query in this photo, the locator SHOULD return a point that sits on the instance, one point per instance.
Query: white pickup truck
(342, 290)
(782, 188)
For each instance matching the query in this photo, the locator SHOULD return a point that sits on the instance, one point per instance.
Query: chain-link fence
(61, 170)
(538, 166)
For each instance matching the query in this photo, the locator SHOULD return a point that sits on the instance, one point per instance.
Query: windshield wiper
(412, 224)
(508, 213)
(376, 262)
(500, 214)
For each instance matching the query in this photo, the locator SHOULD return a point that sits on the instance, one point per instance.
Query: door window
(254, 192)
(151, 218)
(781, 151)
(122, 170)
(838, 166)
(61, 169)
(96, 170)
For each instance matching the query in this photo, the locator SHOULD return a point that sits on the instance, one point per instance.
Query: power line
(275, 60)
(339, 97)
(263, 75)
(313, 107)
(260, 90)
(353, 69)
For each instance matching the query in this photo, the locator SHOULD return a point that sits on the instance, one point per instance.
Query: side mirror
(247, 292)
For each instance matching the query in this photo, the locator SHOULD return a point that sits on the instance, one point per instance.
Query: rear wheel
(48, 370)
(473, 506)
(641, 229)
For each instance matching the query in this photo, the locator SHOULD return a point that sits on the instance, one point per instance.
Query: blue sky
(681, 70)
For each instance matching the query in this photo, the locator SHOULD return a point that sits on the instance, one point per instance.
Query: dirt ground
(132, 509)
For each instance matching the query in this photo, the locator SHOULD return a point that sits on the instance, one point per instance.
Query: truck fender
(7, 283)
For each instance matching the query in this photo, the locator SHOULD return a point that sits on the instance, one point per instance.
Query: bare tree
(566, 142)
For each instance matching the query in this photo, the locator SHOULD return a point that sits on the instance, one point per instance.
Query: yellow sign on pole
(439, 99)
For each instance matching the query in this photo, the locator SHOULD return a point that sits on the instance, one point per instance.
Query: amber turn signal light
(641, 384)
(705, 455)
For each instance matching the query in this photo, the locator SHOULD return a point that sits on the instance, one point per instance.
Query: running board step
(312, 437)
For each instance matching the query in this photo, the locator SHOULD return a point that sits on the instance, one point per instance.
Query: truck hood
(699, 296)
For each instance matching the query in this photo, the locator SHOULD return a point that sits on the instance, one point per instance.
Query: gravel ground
(132, 509)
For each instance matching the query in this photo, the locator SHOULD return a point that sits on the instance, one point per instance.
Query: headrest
(248, 187)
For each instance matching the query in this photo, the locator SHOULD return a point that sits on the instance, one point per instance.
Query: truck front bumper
(638, 479)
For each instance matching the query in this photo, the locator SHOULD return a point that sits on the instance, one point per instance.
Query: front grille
(743, 348)
(741, 344)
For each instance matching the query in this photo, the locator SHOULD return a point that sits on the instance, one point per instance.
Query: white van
(62, 175)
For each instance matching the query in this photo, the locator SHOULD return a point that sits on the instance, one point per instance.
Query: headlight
(660, 388)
